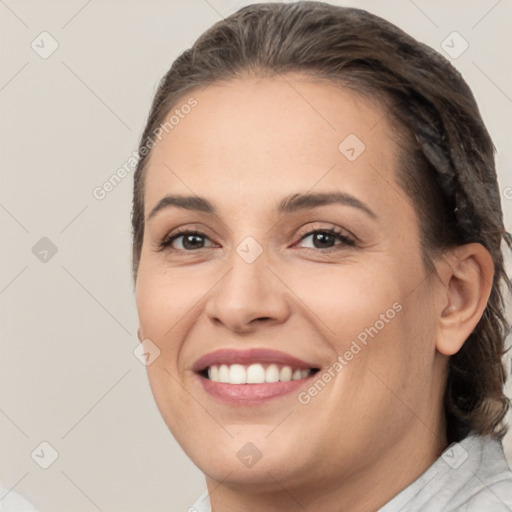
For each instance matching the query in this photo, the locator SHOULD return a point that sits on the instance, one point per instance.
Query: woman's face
(264, 291)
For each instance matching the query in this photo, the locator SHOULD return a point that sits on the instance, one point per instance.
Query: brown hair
(447, 162)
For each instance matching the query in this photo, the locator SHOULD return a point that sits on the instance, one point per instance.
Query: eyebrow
(290, 204)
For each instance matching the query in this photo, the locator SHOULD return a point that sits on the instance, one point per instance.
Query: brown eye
(326, 238)
(189, 241)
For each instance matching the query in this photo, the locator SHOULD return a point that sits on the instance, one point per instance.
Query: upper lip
(249, 356)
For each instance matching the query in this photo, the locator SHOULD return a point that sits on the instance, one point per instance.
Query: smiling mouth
(256, 373)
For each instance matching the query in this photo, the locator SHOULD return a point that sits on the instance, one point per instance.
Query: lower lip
(251, 394)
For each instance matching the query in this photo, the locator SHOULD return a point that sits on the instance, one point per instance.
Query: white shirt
(470, 476)
(12, 501)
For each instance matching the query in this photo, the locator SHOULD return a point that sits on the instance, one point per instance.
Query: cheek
(164, 302)
(346, 301)
(369, 316)
(164, 307)
(172, 400)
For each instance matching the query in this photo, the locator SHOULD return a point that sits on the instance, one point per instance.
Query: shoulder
(12, 501)
(202, 504)
(487, 484)
(470, 476)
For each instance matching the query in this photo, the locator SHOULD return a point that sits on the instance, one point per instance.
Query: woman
(317, 261)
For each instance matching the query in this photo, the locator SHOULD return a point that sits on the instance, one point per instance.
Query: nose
(249, 295)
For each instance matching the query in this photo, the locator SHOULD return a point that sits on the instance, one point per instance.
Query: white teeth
(224, 373)
(285, 375)
(272, 373)
(213, 373)
(297, 374)
(237, 374)
(254, 373)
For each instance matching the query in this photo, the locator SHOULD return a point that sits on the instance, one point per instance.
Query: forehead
(257, 138)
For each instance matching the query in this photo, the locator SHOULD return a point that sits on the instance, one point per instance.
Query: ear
(466, 273)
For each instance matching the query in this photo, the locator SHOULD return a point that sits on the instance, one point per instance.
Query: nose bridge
(249, 290)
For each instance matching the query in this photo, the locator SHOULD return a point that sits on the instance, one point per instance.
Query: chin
(250, 456)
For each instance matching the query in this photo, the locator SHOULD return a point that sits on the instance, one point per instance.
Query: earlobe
(467, 277)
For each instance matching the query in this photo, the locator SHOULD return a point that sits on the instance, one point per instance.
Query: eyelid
(346, 238)
(341, 234)
(327, 226)
(166, 241)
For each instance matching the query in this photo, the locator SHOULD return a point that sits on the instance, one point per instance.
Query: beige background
(68, 325)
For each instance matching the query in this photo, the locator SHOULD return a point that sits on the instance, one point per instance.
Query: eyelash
(166, 242)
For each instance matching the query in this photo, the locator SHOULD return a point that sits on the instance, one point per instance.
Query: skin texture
(378, 424)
